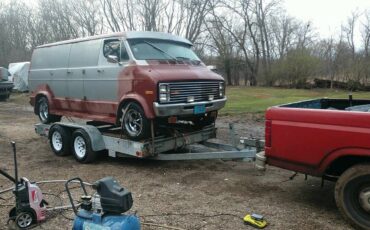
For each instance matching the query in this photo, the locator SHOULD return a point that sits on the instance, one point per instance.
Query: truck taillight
(268, 133)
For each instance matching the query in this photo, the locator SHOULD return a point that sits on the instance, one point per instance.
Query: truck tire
(59, 139)
(42, 109)
(81, 147)
(135, 125)
(352, 195)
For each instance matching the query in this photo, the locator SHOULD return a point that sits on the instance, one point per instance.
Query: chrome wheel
(56, 140)
(43, 109)
(79, 147)
(364, 198)
(24, 220)
(133, 122)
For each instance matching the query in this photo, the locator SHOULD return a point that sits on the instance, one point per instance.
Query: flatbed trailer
(181, 144)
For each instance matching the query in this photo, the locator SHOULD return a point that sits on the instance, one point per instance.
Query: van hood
(180, 72)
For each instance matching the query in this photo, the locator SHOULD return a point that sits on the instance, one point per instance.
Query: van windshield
(155, 49)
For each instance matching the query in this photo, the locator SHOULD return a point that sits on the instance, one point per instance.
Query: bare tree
(349, 29)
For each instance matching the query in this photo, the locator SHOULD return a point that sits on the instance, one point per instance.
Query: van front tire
(135, 125)
(42, 109)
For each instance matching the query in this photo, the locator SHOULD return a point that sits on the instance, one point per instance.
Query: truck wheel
(42, 108)
(135, 125)
(24, 220)
(59, 139)
(352, 195)
(81, 147)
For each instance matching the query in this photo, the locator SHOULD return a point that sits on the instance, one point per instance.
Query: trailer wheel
(135, 125)
(24, 220)
(352, 195)
(42, 109)
(59, 139)
(81, 147)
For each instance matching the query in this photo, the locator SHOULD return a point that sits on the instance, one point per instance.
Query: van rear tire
(42, 110)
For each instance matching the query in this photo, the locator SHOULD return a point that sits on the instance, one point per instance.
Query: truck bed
(331, 104)
(308, 136)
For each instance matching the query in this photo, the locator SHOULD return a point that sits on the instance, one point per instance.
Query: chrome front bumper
(165, 110)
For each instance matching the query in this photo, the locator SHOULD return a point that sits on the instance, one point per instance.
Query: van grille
(201, 91)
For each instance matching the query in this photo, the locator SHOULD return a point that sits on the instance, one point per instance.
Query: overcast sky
(327, 15)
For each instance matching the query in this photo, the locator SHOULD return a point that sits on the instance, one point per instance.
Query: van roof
(127, 35)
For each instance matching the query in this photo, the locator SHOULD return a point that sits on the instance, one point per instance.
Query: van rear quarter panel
(308, 140)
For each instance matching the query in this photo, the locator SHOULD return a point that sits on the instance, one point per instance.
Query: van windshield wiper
(160, 50)
(197, 62)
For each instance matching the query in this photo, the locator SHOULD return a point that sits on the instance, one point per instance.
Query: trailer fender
(97, 142)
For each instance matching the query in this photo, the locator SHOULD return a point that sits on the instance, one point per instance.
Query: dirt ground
(207, 194)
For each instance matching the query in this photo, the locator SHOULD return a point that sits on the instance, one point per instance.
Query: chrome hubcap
(79, 147)
(133, 122)
(44, 110)
(56, 139)
(25, 220)
(364, 198)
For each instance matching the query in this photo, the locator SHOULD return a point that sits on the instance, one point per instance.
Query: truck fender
(97, 141)
(143, 103)
(336, 154)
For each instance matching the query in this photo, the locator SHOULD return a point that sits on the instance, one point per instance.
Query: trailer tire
(352, 195)
(81, 147)
(59, 139)
(42, 110)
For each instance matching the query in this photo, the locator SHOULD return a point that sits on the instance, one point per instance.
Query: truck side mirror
(112, 59)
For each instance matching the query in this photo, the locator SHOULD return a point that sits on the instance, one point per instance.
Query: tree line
(252, 42)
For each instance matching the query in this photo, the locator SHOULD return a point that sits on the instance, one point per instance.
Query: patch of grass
(258, 99)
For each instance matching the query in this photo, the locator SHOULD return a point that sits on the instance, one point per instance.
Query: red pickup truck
(328, 138)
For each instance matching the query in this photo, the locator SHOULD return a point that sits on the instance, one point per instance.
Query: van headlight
(221, 89)
(164, 93)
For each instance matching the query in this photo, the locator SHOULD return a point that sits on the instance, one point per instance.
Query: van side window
(111, 47)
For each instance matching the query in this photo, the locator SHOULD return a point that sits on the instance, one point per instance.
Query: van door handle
(100, 70)
(83, 71)
(69, 72)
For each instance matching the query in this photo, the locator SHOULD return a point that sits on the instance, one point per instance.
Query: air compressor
(104, 210)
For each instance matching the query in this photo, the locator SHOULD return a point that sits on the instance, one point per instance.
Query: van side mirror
(112, 59)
